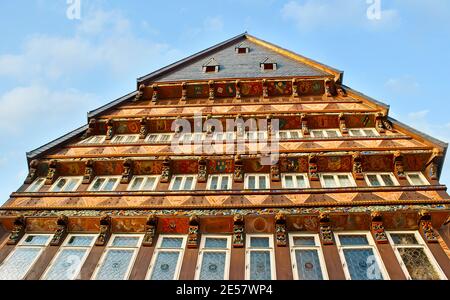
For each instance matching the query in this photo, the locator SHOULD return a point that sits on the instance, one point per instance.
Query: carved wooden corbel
(127, 174)
(212, 91)
(275, 172)
(89, 173)
(52, 172)
(238, 169)
(61, 231)
(105, 231)
(434, 162)
(209, 127)
(330, 88)
(143, 130)
(150, 231)
(193, 236)
(398, 165)
(202, 170)
(91, 129)
(341, 91)
(325, 231)
(140, 93)
(32, 173)
(240, 128)
(179, 127)
(382, 123)
(110, 129)
(357, 166)
(166, 173)
(265, 89)
(342, 124)
(280, 229)
(238, 231)
(377, 228)
(184, 91)
(426, 227)
(304, 121)
(313, 168)
(155, 95)
(18, 231)
(238, 89)
(295, 88)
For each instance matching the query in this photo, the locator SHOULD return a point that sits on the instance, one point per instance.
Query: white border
(104, 183)
(135, 138)
(256, 181)
(305, 177)
(325, 133)
(88, 141)
(78, 178)
(203, 250)
(424, 179)
(335, 175)
(146, 177)
(33, 183)
(250, 249)
(289, 134)
(183, 181)
(317, 247)
(219, 182)
(361, 130)
(380, 180)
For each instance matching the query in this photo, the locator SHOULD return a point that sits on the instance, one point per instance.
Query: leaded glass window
(70, 258)
(214, 258)
(36, 185)
(118, 259)
(257, 182)
(19, 262)
(381, 179)
(183, 183)
(143, 183)
(360, 257)
(337, 180)
(295, 181)
(66, 184)
(104, 184)
(167, 259)
(219, 182)
(307, 257)
(414, 256)
(260, 263)
(416, 179)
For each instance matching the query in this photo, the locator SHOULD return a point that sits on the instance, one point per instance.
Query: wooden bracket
(150, 231)
(193, 236)
(238, 231)
(18, 231)
(280, 228)
(61, 231)
(105, 231)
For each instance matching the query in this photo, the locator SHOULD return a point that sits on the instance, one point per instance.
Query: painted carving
(184, 91)
(275, 172)
(304, 121)
(89, 173)
(238, 89)
(150, 231)
(426, 227)
(265, 88)
(294, 88)
(357, 166)
(240, 129)
(202, 170)
(140, 93)
(377, 228)
(379, 123)
(434, 162)
(105, 231)
(280, 229)
(155, 95)
(193, 236)
(127, 171)
(143, 130)
(109, 129)
(61, 231)
(32, 173)
(238, 169)
(211, 90)
(166, 172)
(18, 231)
(341, 91)
(238, 231)
(312, 168)
(91, 129)
(52, 172)
(398, 165)
(342, 124)
(325, 232)
(330, 88)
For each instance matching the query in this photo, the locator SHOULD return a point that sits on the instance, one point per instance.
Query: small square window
(326, 133)
(381, 179)
(257, 182)
(295, 181)
(220, 182)
(337, 180)
(125, 139)
(143, 183)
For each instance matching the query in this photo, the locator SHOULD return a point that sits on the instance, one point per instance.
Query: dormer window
(268, 65)
(242, 49)
(212, 66)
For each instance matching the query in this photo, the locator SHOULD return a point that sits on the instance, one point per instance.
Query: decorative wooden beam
(325, 232)
(295, 88)
(265, 89)
(89, 173)
(238, 231)
(212, 91)
(275, 172)
(304, 121)
(398, 165)
(143, 130)
(312, 168)
(128, 166)
(109, 129)
(150, 231)
(105, 231)
(52, 172)
(377, 228)
(155, 95)
(61, 231)
(202, 170)
(184, 92)
(18, 231)
(193, 236)
(426, 227)
(280, 229)
(166, 172)
(32, 173)
(140, 93)
(358, 172)
(238, 169)
(238, 89)
(342, 124)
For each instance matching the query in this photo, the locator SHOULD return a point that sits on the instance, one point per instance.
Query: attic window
(268, 65)
(242, 49)
(212, 66)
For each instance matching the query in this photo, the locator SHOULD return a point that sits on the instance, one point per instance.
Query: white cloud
(316, 14)
(403, 85)
(419, 115)
(213, 23)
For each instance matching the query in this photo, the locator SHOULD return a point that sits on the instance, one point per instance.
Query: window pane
(304, 241)
(251, 182)
(66, 265)
(301, 182)
(213, 266)
(344, 181)
(115, 265)
(136, 185)
(165, 138)
(329, 181)
(353, 240)
(355, 132)
(97, 184)
(369, 132)
(259, 242)
(214, 182)
(332, 133)
(18, 263)
(318, 133)
(110, 183)
(36, 185)
(404, 239)
(149, 184)
(152, 138)
(177, 183)
(80, 241)
(224, 183)
(262, 182)
(415, 179)
(387, 180)
(36, 240)
(125, 241)
(373, 179)
(216, 243)
(418, 265)
(172, 243)
(362, 265)
(283, 135)
(59, 185)
(165, 266)
(260, 265)
(71, 185)
(308, 265)
(188, 183)
(289, 182)
(295, 135)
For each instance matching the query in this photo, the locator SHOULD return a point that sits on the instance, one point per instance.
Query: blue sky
(53, 70)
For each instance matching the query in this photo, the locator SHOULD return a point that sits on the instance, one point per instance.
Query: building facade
(243, 161)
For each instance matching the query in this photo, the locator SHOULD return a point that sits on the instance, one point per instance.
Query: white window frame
(158, 249)
(159, 138)
(246, 177)
(317, 247)
(125, 136)
(65, 246)
(183, 181)
(289, 134)
(227, 252)
(257, 133)
(110, 247)
(325, 133)
(104, 183)
(305, 176)
(362, 132)
(421, 244)
(88, 140)
(144, 182)
(219, 181)
(250, 249)
(21, 245)
(335, 175)
(424, 180)
(34, 184)
(78, 178)
(224, 136)
(371, 245)
(380, 179)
